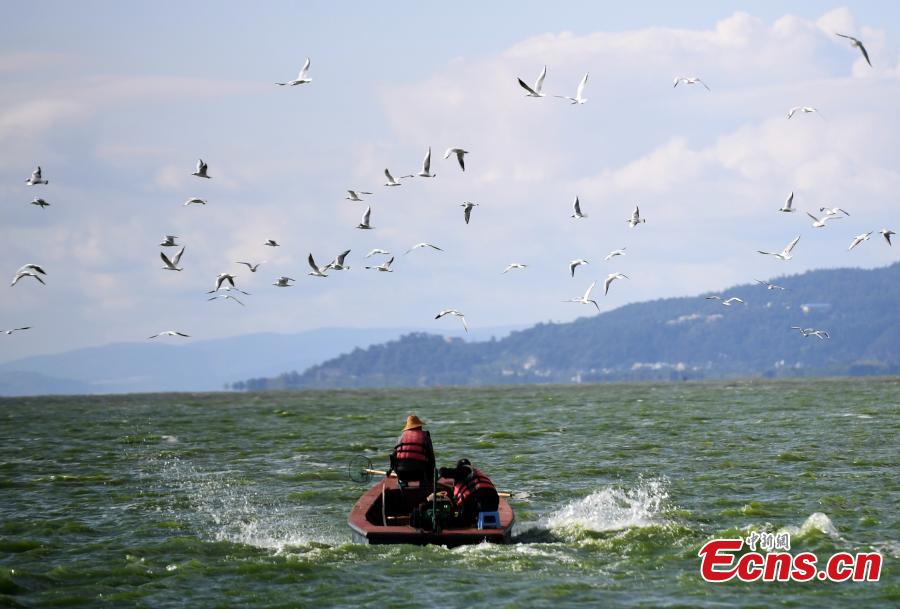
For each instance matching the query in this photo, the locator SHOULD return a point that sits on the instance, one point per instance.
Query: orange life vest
(475, 482)
(413, 446)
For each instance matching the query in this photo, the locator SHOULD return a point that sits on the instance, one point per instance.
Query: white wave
(614, 509)
(815, 522)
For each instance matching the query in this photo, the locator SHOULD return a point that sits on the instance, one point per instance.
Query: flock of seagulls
(224, 283)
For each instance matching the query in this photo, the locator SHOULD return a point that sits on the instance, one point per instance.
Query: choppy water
(223, 500)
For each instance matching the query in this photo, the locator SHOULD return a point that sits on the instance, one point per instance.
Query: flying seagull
(575, 264)
(364, 223)
(40, 202)
(727, 302)
(251, 266)
(586, 299)
(460, 154)
(169, 241)
(338, 263)
(36, 178)
(807, 332)
(170, 333)
(302, 77)
(221, 279)
(384, 267)
(886, 233)
(784, 254)
(426, 168)
(194, 201)
(377, 251)
(769, 286)
(316, 271)
(859, 45)
(635, 218)
(421, 245)
(226, 297)
(467, 209)
(859, 239)
(538, 85)
(282, 282)
(817, 223)
(576, 210)
(10, 331)
(201, 169)
(29, 270)
(615, 253)
(390, 179)
(353, 195)
(610, 278)
(513, 266)
(579, 92)
(272, 243)
(787, 207)
(32, 267)
(833, 211)
(803, 109)
(689, 80)
(172, 265)
(456, 313)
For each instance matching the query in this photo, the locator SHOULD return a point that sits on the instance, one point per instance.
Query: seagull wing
(539, 83)
(388, 264)
(580, 91)
(166, 260)
(791, 245)
(587, 294)
(365, 219)
(461, 158)
(704, 84)
(341, 256)
(863, 51)
(577, 207)
(467, 212)
(434, 247)
(426, 162)
(312, 264)
(177, 258)
(304, 71)
(527, 88)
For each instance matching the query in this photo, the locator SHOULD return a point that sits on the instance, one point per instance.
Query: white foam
(614, 509)
(815, 522)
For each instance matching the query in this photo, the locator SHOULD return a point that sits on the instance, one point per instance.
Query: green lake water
(241, 500)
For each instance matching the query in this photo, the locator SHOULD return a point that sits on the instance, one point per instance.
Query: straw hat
(413, 422)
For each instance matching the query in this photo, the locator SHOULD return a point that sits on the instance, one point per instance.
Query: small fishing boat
(384, 514)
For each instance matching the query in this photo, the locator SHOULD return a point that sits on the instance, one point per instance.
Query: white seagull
(859, 45)
(807, 332)
(353, 195)
(251, 266)
(11, 330)
(514, 266)
(272, 243)
(615, 253)
(169, 241)
(769, 286)
(859, 239)
(302, 77)
(538, 85)
(784, 254)
(385, 267)
(316, 271)
(727, 302)
(788, 203)
(426, 168)
(467, 209)
(28, 270)
(460, 153)
(586, 299)
(456, 313)
(610, 278)
(390, 179)
(282, 282)
(226, 297)
(576, 210)
(338, 263)
(579, 92)
(172, 265)
(364, 223)
(817, 223)
(32, 267)
(804, 110)
(833, 211)
(221, 279)
(688, 80)
(36, 178)
(201, 169)
(575, 264)
(377, 251)
(170, 333)
(194, 201)
(635, 218)
(40, 202)
(886, 233)
(421, 245)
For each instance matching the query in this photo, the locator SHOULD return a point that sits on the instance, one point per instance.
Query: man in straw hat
(413, 456)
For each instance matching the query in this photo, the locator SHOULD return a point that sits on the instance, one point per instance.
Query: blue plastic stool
(488, 520)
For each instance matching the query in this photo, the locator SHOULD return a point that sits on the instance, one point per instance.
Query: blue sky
(116, 102)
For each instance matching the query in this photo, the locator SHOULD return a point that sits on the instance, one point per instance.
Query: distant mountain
(673, 338)
(192, 366)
